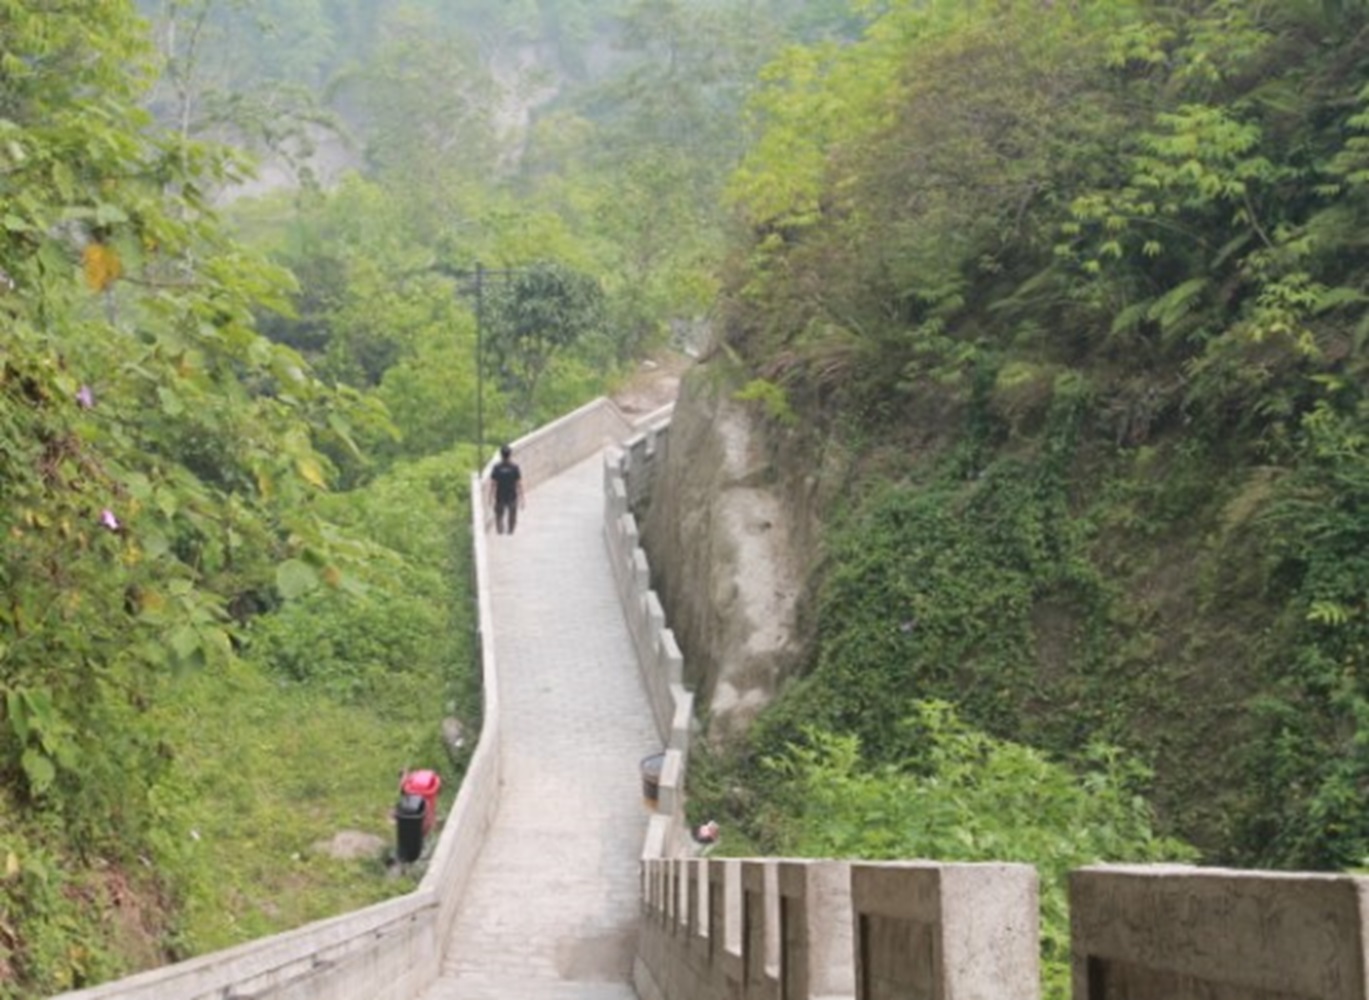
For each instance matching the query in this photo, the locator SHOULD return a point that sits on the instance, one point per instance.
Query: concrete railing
(801, 930)
(1178, 933)
(628, 474)
(564, 443)
(392, 950)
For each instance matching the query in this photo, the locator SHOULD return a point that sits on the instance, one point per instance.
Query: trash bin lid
(652, 766)
(411, 805)
(421, 783)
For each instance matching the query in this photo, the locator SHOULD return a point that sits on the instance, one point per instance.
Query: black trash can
(409, 828)
(651, 779)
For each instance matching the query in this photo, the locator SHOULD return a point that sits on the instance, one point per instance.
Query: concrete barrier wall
(1178, 933)
(773, 929)
(477, 801)
(565, 443)
(968, 931)
(628, 474)
(385, 947)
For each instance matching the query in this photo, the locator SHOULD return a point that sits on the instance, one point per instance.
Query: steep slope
(1081, 294)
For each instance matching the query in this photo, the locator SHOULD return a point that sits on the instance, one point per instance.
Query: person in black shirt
(506, 491)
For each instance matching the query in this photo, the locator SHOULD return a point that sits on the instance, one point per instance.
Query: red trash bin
(426, 784)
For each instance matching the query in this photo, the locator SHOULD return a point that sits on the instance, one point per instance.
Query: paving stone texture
(552, 911)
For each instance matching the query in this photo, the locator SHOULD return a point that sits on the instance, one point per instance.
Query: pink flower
(108, 519)
(85, 397)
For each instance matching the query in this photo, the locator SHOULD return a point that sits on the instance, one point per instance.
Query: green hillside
(1083, 289)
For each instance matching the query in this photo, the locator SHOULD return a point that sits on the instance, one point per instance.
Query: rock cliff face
(730, 532)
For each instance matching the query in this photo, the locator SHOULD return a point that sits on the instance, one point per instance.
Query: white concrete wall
(382, 945)
(964, 931)
(765, 929)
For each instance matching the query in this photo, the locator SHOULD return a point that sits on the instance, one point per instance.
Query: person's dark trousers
(500, 511)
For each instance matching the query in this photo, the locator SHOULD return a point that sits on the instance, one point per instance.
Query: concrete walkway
(552, 912)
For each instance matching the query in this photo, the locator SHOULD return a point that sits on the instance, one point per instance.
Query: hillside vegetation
(1081, 287)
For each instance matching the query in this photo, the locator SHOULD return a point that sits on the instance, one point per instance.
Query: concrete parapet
(761, 960)
(463, 834)
(628, 473)
(644, 454)
(813, 925)
(1174, 932)
(946, 931)
(682, 726)
(564, 443)
(389, 950)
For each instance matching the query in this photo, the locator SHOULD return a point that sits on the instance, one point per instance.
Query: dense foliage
(1082, 284)
(163, 480)
(960, 795)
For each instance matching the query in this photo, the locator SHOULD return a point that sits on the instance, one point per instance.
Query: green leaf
(18, 717)
(295, 578)
(39, 770)
(108, 215)
(185, 642)
(172, 404)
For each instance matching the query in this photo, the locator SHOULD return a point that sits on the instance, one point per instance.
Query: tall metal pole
(480, 365)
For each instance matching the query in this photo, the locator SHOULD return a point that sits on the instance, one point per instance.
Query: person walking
(506, 491)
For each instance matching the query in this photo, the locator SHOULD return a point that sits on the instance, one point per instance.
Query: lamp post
(480, 366)
(477, 275)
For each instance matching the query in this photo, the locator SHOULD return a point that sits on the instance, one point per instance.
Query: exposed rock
(736, 530)
(348, 845)
(453, 735)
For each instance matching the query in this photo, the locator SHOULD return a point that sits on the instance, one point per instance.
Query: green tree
(157, 454)
(533, 315)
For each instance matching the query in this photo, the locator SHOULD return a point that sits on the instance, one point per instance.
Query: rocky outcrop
(730, 534)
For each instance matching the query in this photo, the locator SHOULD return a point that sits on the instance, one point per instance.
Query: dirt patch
(348, 845)
(654, 384)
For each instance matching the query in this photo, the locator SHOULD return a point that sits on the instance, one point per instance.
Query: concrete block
(682, 723)
(725, 922)
(816, 952)
(761, 947)
(945, 931)
(1172, 932)
(672, 660)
